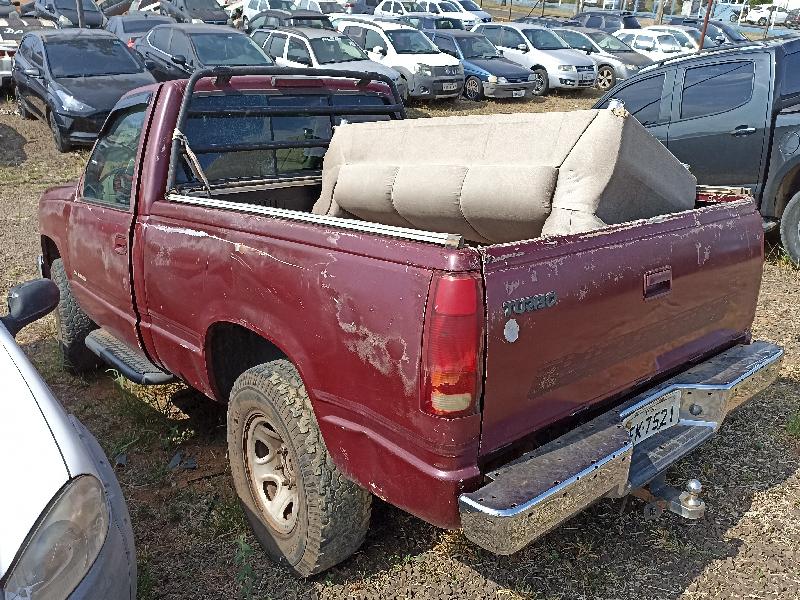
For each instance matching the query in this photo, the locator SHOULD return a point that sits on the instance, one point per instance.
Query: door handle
(743, 130)
(120, 244)
(657, 283)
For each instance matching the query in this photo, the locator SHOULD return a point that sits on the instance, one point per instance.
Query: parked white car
(687, 37)
(553, 62)
(427, 72)
(654, 45)
(470, 7)
(448, 9)
(65, 532)
(250, 8)
(397, 8)
(761, 15)
(300, 47)
(326, 7)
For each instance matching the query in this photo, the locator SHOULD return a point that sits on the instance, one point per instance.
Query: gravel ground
(192, 541)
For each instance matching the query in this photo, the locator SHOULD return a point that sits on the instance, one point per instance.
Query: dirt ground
(192, 541)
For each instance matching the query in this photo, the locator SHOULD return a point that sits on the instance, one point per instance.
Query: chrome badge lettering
(529, 303)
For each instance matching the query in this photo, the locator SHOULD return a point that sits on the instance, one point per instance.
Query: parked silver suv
(553, 62)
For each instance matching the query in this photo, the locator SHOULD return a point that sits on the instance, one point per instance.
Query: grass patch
(793, 426)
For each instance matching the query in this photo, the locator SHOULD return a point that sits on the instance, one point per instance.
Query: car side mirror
(32, 72)
(179, 59)
(50, 8)
(149, 65)
(522, 47)
(29, 302)
(589, 50)
(721, 39)
(379, 50)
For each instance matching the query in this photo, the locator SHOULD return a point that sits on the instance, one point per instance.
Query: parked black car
(72, 78)
(431, 23)
(269, 19)
(175, 51)
(132, 26)
(195, 11)
(719, 31)
(548, 21)
(733, 115)
(65, 12)
(608, 20)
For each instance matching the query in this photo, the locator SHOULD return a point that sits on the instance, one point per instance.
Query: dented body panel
(348, 308)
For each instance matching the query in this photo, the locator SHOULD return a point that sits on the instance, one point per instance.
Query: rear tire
(303, 511)
(72, 326)
(790, 229)
(23, 112)
(762, 21)
(473, 88)
(734, 18)
(606, 78)
(542, 83)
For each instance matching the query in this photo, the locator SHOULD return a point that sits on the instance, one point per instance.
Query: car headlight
(566, 67)
(492, 79)
(72, 104)
(424, 70)
(64, 545)
(632, 67)
(64, 21)
(502, 80)
(531, 77)
(197, 21)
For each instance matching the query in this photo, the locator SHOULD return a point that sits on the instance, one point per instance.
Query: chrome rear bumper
(533, 494)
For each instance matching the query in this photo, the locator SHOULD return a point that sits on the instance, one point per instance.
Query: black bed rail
(223, 76)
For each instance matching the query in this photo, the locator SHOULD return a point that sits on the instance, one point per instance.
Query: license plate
(587, 76)
(655, 417)
(449, 87)
(517, 93)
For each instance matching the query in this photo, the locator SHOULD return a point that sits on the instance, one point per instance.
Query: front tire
(72, 326)
(542, 83)
(62, 145)
(606, 78)
(473, 88)
(303, 511)
(790, 229)
(23, 112)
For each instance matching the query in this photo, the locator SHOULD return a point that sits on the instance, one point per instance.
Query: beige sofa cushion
(502, 178)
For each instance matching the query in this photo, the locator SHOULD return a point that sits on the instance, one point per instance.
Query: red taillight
(453, 347)
(131, 42)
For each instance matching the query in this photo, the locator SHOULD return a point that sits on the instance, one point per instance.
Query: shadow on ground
(12, 147)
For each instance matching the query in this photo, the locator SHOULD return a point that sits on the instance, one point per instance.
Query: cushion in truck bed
(503, 178)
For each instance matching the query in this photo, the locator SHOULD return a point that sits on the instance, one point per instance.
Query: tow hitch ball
(660, 497)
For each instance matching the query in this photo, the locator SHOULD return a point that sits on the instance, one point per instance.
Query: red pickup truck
(498, 388)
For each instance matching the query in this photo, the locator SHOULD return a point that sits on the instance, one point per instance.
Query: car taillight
(131, 42)
(453, 345)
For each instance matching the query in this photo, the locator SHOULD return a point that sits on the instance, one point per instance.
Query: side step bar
(131, 364)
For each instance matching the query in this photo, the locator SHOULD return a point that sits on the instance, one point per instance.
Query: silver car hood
(568, 56)
(367, 66)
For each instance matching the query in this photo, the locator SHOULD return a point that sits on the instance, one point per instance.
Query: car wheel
(302, 509)
(72, 326)
(734, 17)
(62, 145)
(541, 82)
(606, 78)
(790, 229)
(473, 88)
(23, 112)
(762, 21)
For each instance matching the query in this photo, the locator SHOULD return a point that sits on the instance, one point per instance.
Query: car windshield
(323, 23)
(406, 41)
(447, 7)
(336, 50)
(575, 39)
(608, 42)
(477, 47)
(281, 4)
(412, 7)
(203, 4)
(733, 33)
(327, 8)
(86, 57)
(469, 5)
(228, 49)
(448, 24)
(88, 5)
(695, 35)
(141, 25)
(544, 40)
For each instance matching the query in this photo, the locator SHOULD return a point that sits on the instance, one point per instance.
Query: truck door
(719, 119)
(100, 222)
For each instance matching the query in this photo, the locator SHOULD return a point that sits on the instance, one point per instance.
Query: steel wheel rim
(539, 87)
(604, 78)
(271, 473)
(472, 88)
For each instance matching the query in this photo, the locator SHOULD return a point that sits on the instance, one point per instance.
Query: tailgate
(575, 320)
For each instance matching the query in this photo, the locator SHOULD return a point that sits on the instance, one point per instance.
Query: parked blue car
(486, 72)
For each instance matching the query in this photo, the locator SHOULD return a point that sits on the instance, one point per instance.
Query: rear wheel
(540, 82)
(734, 17)
(23, 111)
(62, 145)
(606, 78)
(303, 511)
(762, 21)
(72, 325)
(790, 229)
(473, 88)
